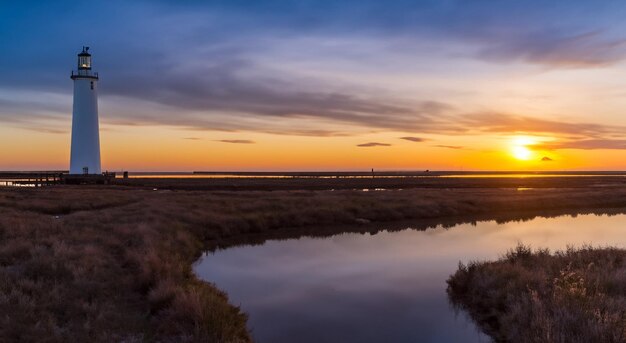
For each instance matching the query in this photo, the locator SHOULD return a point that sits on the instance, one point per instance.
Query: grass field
(113, 263)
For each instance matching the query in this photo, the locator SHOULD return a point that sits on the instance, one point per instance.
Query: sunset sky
(320, 85)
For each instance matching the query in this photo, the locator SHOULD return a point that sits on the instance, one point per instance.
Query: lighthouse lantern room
(84, 59)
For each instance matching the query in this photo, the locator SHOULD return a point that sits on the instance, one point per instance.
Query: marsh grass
(576, 295)
(106, 271)
(102, 264)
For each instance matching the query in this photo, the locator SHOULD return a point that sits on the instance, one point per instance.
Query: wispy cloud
(456, 147)
(414, 139)
(46, 129)
(236, 141)
(508, 123)
(585, 144)
(546, 159)
(372, 144)
(550, 48)
(244, 90)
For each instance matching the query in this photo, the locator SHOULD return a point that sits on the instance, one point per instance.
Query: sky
(320, 85)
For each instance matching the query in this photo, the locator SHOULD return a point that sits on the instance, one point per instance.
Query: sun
(521, 152)
(520, 147)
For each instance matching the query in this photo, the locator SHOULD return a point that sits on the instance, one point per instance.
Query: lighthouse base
(88, 179)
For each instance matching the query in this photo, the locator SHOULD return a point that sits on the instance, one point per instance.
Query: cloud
(236, 141)
(248, 92)
(192, 138)
(588, 49)
(372, 144)
(211, 98)
(413, 139)
(456, 147)
(585, 144)
(508, 123)
(47, 130)
(546, 159)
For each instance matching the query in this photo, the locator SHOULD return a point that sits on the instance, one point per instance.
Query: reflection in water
(361, 175)
(530, 175)
(384, 287)
(194, 176)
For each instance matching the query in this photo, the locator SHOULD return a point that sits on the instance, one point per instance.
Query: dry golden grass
(114, 263)
(103, 271)
(577, 295)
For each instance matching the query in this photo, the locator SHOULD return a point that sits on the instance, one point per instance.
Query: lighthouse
(85, 149)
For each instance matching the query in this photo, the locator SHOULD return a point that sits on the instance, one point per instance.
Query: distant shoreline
(270, 181)
(376, 183)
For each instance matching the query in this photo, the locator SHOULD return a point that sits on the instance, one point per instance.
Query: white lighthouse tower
(85, 154)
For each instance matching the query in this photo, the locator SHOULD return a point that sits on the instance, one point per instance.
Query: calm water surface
(387, 287)
(243, 175)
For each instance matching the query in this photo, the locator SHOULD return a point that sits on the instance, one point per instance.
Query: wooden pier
(30, 179)
(48, 178)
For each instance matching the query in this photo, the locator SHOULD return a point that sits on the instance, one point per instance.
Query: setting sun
(520, 149)
(522, 153)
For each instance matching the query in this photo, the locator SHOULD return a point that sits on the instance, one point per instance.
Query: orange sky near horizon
(158, 148)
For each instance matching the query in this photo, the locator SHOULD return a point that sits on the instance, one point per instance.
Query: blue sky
(324, 68)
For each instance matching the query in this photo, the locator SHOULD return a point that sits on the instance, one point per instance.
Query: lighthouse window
(84, 62)
(91, 84)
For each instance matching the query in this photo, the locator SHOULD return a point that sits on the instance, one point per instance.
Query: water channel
(383, 287)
